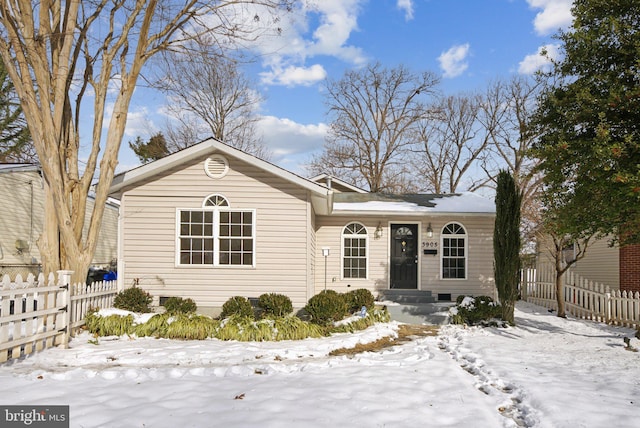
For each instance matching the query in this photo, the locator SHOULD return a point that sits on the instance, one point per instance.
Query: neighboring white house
(22, 218)
(211, 222)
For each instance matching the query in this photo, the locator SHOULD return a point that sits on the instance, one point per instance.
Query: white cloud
(294, 76)
(298, 40)
(292, 143)
(453, 62)
(407, 6)
(534, 62)
(555, 14)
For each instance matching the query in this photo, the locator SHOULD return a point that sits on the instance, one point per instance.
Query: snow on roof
(466, 202)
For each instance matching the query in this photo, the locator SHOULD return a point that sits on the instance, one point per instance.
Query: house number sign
(430, 244)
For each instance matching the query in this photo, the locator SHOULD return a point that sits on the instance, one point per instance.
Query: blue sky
(466, 42)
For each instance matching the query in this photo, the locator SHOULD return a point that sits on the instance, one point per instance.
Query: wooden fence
(38, 313)
(583, 298)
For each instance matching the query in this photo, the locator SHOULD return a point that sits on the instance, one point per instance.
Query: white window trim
(366, 238)
(466, 251)
(204, 201)
(216, 238)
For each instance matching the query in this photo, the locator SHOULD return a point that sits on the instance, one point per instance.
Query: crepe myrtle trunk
(506, 243)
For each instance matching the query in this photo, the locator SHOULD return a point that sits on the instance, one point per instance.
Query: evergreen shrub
(275, 305)
(237, 305)
(356, 299)
(475, 310)
(133, 299)
(326, 307)
(178, 305)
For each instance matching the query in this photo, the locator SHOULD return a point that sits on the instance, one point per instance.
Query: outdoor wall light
(378, 233)
(429, 231)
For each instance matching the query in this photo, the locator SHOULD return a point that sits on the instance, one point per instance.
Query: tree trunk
(508, 307)
(560, 294)
(49, 240)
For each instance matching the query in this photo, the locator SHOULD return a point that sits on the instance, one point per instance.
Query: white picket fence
(38, 313)
(583, 298)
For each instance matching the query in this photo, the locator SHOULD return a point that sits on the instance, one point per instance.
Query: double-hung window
(216, 235)
(454, 252)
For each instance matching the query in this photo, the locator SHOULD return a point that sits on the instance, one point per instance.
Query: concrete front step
(420, 313)
(407, 296)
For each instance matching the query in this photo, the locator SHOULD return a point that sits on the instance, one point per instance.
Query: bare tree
(508, 108)
(210, 95)
(373, 112)
(56, 52)
(15, 141)
(452, 139)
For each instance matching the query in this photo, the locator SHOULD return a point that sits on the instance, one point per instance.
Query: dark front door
(404, 256)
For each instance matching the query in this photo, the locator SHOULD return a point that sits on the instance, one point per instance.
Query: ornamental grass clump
(237, 305)
(293, 328)
(375, 316)
(111, 325)
(190, 327)
(155, 326)
(133, 299)
(275, 305)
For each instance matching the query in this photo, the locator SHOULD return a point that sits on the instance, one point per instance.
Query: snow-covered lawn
(546, 372)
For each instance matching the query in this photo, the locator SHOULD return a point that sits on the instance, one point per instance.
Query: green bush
(178, 305)
(356, 299)
(237, 305)
(475, 310)
(275, 305)
(133, 299)
(326, 307)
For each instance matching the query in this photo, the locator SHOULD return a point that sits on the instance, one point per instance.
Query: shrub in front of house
(178, 305)
(237, 305)
(356, 299)
(326, 307)
(475, 310)
(133, 299)
(275, 305)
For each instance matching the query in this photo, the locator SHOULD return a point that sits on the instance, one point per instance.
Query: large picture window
(454, 252)
(354, 251)
(216, 237)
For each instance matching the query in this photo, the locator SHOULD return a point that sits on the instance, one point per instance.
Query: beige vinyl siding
(479, 261)
(21, 217)
(20, 191)
(600, 264)
(281, 236)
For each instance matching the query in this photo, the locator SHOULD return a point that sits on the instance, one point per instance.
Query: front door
(404, 256)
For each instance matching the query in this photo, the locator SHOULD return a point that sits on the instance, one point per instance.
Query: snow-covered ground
(546, 372)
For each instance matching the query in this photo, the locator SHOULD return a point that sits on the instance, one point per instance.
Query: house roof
(336, 184)
(18, 167)
(321, 196)
(412, 204)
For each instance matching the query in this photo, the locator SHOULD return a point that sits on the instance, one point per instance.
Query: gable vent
(216, 166)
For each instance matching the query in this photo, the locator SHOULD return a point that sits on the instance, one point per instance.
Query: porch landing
(415, 306)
